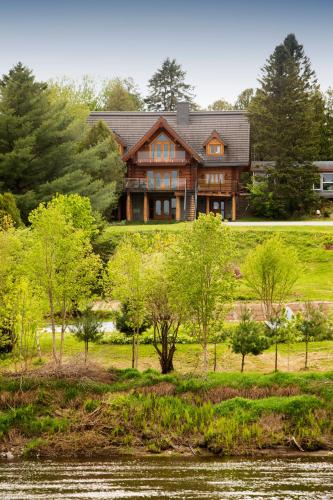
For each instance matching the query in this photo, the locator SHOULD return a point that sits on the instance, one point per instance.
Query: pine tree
(167, 86)
(41, 146)
(286, 130)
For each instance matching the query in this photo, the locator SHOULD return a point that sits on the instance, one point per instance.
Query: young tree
(164, 314)
(270, 272)
(88, 329)
(249, 337)
(167, 86)
(81, 95)
(220, 105)
(126, 281)
(121, 94)
(10, 258)
(28, 308)
(60, 258)
(312, 325)
(202, 275)
(286, 130)
(8, 209)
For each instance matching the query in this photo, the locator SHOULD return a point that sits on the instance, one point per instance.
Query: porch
(176, 206)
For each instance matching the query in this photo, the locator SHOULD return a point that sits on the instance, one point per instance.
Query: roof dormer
(214, 145)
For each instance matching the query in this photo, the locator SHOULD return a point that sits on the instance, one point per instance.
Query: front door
(217, 207)
(162, 209)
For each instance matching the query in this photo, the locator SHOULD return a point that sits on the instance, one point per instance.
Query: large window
(162, 148)
(162, 180)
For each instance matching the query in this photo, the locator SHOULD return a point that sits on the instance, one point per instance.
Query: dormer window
(215, 148)
(214, 145)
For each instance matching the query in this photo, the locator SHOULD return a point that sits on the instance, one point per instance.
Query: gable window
(162, 148)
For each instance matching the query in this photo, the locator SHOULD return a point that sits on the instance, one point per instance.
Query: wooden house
(180, 163)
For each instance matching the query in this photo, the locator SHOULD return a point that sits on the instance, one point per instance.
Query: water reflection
(168, 478)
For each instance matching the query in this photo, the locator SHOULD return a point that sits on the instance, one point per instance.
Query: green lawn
(188, 357)
(316, 279)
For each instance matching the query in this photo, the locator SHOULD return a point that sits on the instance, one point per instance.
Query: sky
(222, 45)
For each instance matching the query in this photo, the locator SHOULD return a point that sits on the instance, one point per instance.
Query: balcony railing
(162, 157)
(135, 184)
(227, 186)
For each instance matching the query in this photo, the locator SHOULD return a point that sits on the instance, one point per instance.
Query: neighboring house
(324, 187)
(180, 163)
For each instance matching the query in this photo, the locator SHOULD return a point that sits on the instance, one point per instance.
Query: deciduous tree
(202, 274)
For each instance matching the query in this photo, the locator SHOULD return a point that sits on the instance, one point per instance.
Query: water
(164, 478)
(106, 327)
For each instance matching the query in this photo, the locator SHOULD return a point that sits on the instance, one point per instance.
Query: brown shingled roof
(232, 126)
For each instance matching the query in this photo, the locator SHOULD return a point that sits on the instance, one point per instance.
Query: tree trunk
(133, 351)
(306, 354)
(62, 335)
(86, 344)
(136, 349)
(205, 349)
(276, 357)
(243, 363)
(54, 347)
(215, 356)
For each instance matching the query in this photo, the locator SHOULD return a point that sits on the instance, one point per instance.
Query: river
(164, 478)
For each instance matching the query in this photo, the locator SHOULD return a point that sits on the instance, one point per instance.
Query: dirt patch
(161, 389)
(218, 394)
(75, 370)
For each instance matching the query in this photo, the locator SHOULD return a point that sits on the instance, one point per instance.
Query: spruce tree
(41, 146)
(286, 130)
(167, 86)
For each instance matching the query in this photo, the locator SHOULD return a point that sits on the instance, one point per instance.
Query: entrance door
(162, 209)
(218, 208)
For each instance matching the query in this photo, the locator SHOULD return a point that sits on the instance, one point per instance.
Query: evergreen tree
(167, 86)
(286, 130)
(41, 150)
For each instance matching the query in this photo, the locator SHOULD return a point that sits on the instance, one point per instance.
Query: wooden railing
(228, 186)
(142, 184)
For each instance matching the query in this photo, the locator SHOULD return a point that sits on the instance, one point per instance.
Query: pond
(165, 478)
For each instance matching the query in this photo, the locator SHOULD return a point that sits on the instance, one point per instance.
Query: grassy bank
(313, 244)
(133, 412)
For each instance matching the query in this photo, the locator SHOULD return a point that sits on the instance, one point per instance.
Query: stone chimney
(183, 113)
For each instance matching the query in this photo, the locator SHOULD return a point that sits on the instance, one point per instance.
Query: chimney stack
(183, 113)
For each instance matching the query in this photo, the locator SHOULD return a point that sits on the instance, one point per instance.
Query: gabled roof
(232, 126)
(214, 135)
(161, 123)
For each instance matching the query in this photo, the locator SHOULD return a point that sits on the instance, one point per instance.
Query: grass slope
(224, 414)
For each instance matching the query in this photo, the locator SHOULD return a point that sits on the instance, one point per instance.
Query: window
(162, 148)
(214, 178)
(160, 180)
(215, 148)
(158, 207)
(166, 207)
(327, 180)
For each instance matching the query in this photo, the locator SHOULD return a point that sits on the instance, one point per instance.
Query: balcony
(170, 157)
(136, 184)
(227, 186)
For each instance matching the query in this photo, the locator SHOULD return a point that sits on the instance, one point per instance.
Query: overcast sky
(221, 44)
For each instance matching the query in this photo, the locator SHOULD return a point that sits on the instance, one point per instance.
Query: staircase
(190, 210)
